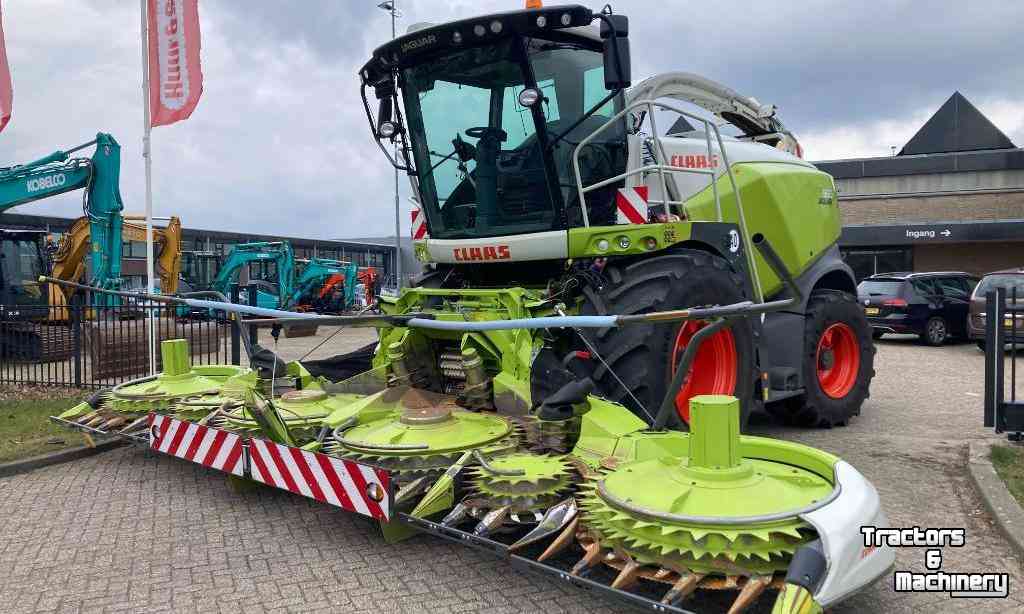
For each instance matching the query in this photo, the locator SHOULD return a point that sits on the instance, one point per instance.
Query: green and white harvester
(604, 303)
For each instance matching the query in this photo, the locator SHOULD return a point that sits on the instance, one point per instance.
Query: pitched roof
(957, 126)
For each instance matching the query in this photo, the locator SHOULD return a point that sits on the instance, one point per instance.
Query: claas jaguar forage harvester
(562, 389)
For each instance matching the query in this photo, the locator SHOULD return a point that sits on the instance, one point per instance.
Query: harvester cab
(534, 167)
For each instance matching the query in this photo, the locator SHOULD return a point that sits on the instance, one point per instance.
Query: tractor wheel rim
(713, 370)
(838, 379)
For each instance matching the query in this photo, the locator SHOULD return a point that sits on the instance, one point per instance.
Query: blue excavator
(57, 173)
(96, 237)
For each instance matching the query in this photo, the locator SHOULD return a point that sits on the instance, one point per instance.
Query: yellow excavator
(68, 259)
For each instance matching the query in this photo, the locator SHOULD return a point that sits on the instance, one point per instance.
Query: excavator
(58, 173)
(98, 234)
(337, 294)
(295, 282)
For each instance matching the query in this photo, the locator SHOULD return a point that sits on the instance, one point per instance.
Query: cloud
(279, 143)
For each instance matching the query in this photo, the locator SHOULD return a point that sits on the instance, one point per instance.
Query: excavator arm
(167, 249)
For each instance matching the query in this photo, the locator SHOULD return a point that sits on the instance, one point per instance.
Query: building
(378, 254)
(951, 199)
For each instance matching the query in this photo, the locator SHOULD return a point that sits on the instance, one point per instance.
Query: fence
(1004, 330)
(88, 347)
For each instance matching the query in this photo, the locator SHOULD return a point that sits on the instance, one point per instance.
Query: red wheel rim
(713, 370)
(838, 360)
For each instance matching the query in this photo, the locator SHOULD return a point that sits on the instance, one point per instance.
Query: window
(516, 120)
(872, 287)
(593, 92)
(954, 286)
(924, 287)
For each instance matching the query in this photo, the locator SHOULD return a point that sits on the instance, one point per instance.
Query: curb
(55, 458)
(1008, 514)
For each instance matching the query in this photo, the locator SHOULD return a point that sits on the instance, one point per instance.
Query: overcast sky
(279, 143)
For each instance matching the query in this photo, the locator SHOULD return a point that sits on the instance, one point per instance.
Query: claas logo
(695, 161)
(488, 252)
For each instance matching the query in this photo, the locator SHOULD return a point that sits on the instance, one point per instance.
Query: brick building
(951, 199)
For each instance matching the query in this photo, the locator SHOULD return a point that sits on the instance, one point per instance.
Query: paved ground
(129, 531)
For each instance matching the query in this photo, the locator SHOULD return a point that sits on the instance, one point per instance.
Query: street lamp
(391, 7)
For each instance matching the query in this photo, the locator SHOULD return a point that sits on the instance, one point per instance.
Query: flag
(6, 90)
(175, 76)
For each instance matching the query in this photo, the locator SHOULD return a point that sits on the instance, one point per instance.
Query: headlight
(529, 96)
(388, 129)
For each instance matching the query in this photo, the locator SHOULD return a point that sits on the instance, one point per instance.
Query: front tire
(644, 356)
(838, 364)
(936, 331)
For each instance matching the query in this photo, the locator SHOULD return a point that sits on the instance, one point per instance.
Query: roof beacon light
(535, 4)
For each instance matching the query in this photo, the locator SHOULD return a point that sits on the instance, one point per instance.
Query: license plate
(871, 311)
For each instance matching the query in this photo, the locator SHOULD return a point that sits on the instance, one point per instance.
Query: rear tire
(835, 389)
(642, 355)
(936, 331)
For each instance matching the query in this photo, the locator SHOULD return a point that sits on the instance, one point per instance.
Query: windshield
(483, 162)
(20, 268)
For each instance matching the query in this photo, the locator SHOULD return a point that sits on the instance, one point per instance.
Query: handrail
(662, 167)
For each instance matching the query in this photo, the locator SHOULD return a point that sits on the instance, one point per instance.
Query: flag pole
(146, 155)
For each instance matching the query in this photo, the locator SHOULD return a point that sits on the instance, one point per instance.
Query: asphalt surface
(132, 531)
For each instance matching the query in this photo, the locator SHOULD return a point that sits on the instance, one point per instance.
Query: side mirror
(615, 34)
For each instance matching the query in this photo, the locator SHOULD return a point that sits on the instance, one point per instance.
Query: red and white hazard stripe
(206, 446)
(631, 205)
(345, 484)
(419, 225)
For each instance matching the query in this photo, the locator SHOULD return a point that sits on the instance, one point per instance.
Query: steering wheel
(482, 132)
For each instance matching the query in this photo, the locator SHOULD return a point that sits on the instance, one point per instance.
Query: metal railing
(661, 166)
(85, 347)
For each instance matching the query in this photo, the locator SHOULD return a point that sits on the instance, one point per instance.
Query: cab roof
(404, 50)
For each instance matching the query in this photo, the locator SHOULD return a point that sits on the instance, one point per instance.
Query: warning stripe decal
(345, 484)
(631, 205)
(203, 445)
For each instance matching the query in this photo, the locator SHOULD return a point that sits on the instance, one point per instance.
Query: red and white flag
(6, 90)
(175, 76)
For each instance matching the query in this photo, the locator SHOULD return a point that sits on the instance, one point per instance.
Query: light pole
(391, 7)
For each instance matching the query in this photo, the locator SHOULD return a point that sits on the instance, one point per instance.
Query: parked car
(1013, 324)
(932, 305)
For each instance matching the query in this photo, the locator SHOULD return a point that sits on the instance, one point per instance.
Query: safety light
(388, 129)
(541, 21)
(496, 26)
(602, 245)
(529, 96)
(566, 19)
(479, 30)
(651, 243)
(456, 37)
(624, 242)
